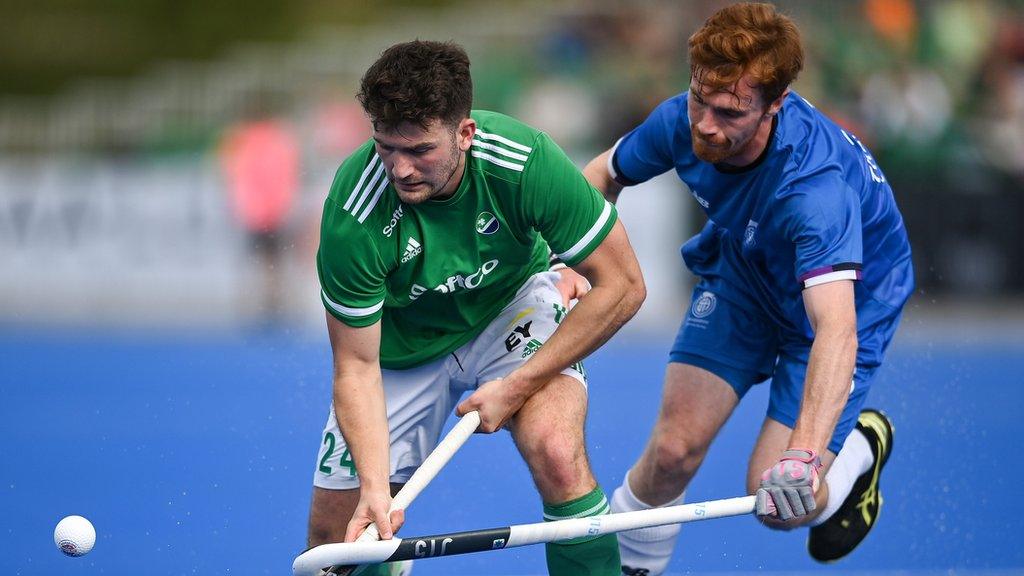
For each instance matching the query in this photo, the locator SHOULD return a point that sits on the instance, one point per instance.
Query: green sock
(587, 555)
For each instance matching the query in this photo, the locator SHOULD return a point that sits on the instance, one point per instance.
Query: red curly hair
(747, 37)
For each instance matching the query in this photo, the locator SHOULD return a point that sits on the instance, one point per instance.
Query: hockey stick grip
(423, 475)
(429, 469)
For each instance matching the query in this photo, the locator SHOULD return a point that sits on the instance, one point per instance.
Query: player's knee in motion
(559, 466)
(676, 459)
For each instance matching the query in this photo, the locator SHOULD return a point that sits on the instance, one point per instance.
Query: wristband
(803, 455)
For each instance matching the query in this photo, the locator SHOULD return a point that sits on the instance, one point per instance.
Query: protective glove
(787, 488)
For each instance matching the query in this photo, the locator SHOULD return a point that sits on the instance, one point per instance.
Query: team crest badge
(486, 223)
(704, 305)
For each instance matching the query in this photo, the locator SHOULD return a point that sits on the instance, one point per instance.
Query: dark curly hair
(418, 82)
(747, 37)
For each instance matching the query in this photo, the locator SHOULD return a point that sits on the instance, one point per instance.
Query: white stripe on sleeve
(611, 165)
(589, 236)
(830, 277)
(353, 312)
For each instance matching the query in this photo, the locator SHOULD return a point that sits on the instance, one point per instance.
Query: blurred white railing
(93, 229)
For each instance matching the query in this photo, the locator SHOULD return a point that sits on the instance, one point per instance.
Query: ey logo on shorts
(486, 223)
(704, 305)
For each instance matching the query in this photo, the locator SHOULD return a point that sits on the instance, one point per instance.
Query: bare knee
(676, 458)
(695, 405)
(548, 431)
(559, 467)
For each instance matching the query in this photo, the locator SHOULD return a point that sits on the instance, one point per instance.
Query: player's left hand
(496, 400)
(372, 508)
(571, 285)
(787, 488)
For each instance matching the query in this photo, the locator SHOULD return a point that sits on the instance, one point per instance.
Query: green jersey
(435, 274)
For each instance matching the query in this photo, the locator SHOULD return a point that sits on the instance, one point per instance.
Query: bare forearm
(826, 387)
(596, 172)
(362, 418)
(617, 293)
(594, 319)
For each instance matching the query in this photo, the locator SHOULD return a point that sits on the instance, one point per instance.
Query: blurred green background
(122, 126)
(163, 362)
(46, 45)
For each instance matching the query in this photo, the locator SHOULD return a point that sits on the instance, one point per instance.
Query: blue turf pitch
(193, 455)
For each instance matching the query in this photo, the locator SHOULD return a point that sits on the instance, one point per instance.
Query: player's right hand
(496, 401)
(571, 285)
(787, 488)
(373, 509)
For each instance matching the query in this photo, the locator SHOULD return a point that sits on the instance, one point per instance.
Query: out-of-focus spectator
(260, 162)
(1001, 125)
(339, 126)
(565, 109)
(960, 35)
(895, 21)
(908, 104)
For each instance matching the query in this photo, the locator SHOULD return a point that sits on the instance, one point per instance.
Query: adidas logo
(412, 250)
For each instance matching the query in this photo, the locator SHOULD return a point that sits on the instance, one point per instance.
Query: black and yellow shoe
(840, 534)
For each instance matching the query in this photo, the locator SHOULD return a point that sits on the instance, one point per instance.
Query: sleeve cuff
(592, 238)
(826, 274)
(613, 167)
(352, 316)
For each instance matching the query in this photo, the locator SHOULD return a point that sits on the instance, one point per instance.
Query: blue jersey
(814, 208)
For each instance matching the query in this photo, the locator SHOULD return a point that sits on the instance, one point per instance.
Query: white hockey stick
(426, 472)
(310, 562)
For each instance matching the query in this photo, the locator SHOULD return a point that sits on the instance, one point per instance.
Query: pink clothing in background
(261, 165)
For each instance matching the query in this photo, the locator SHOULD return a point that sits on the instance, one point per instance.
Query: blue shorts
(727, 334)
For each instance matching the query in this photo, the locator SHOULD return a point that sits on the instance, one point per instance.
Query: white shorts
(419, 399)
